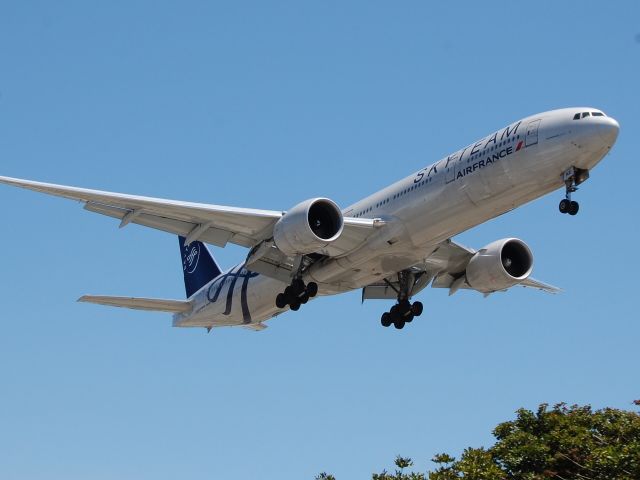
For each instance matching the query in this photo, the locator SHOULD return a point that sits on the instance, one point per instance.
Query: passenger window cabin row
(428, 180)
(403, 192)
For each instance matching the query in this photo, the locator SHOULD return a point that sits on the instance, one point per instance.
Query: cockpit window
(578, 116)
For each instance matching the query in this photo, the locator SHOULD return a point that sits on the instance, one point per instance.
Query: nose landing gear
(296, 294)
(569, 206)
(572, 178)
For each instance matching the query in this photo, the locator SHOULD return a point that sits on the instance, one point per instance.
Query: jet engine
(308, 227)
(500, 265)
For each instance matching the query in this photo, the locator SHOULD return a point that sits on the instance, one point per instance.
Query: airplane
(391, 244)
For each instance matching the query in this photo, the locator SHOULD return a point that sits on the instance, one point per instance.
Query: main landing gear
(401, 313)
(404, 311)
(572, 178)
(296, 294)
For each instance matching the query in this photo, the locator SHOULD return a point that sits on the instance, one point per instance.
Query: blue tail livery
(198, 266)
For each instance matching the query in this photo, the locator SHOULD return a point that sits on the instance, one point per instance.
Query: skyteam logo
(190, 257)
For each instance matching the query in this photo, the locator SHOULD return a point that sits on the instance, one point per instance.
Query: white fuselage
(498, 173)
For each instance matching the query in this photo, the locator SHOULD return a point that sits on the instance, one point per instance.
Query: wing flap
(136, 303)
(212, 235)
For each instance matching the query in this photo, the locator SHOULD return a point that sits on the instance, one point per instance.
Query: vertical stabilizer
(198, 266)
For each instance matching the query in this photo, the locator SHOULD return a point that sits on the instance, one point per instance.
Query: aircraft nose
(608, 129)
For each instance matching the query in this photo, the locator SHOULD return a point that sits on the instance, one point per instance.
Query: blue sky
(264, 104)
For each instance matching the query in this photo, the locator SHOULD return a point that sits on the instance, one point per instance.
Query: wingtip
(8, 180)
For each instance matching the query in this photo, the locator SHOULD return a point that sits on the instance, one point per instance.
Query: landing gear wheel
(281, 301)
(289, 295)
(404, 307)
(298, 286)
(572, 178)
(403, 311)
(564, 206)
(296, 294)
(312, 289)
(573, 208)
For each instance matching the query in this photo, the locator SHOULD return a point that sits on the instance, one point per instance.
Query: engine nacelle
(308, 227)
(500, 265)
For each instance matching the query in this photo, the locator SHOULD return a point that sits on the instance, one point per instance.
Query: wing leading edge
(214, 224)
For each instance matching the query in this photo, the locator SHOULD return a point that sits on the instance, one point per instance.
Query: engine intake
(500, 265)
(308, 227)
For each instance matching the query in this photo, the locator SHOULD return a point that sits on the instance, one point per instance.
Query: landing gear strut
(296, 294)
(404, 311)
(572, 178)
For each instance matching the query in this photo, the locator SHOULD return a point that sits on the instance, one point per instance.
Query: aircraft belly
(390, 250)
(382, 267)
(241, 299)
(254, 299)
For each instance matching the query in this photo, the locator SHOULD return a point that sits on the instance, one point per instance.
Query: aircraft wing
(444, 268)
(214, 224)
(450, 260)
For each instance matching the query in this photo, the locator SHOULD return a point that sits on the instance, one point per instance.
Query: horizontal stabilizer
(153, 304)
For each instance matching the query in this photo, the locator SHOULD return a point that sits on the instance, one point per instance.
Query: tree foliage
(563, 442)
(399, 474)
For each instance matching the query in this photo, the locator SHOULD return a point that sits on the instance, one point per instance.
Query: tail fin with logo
(198, 266)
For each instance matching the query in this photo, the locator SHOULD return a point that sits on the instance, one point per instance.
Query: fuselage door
(532, 133)
(451, 164)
